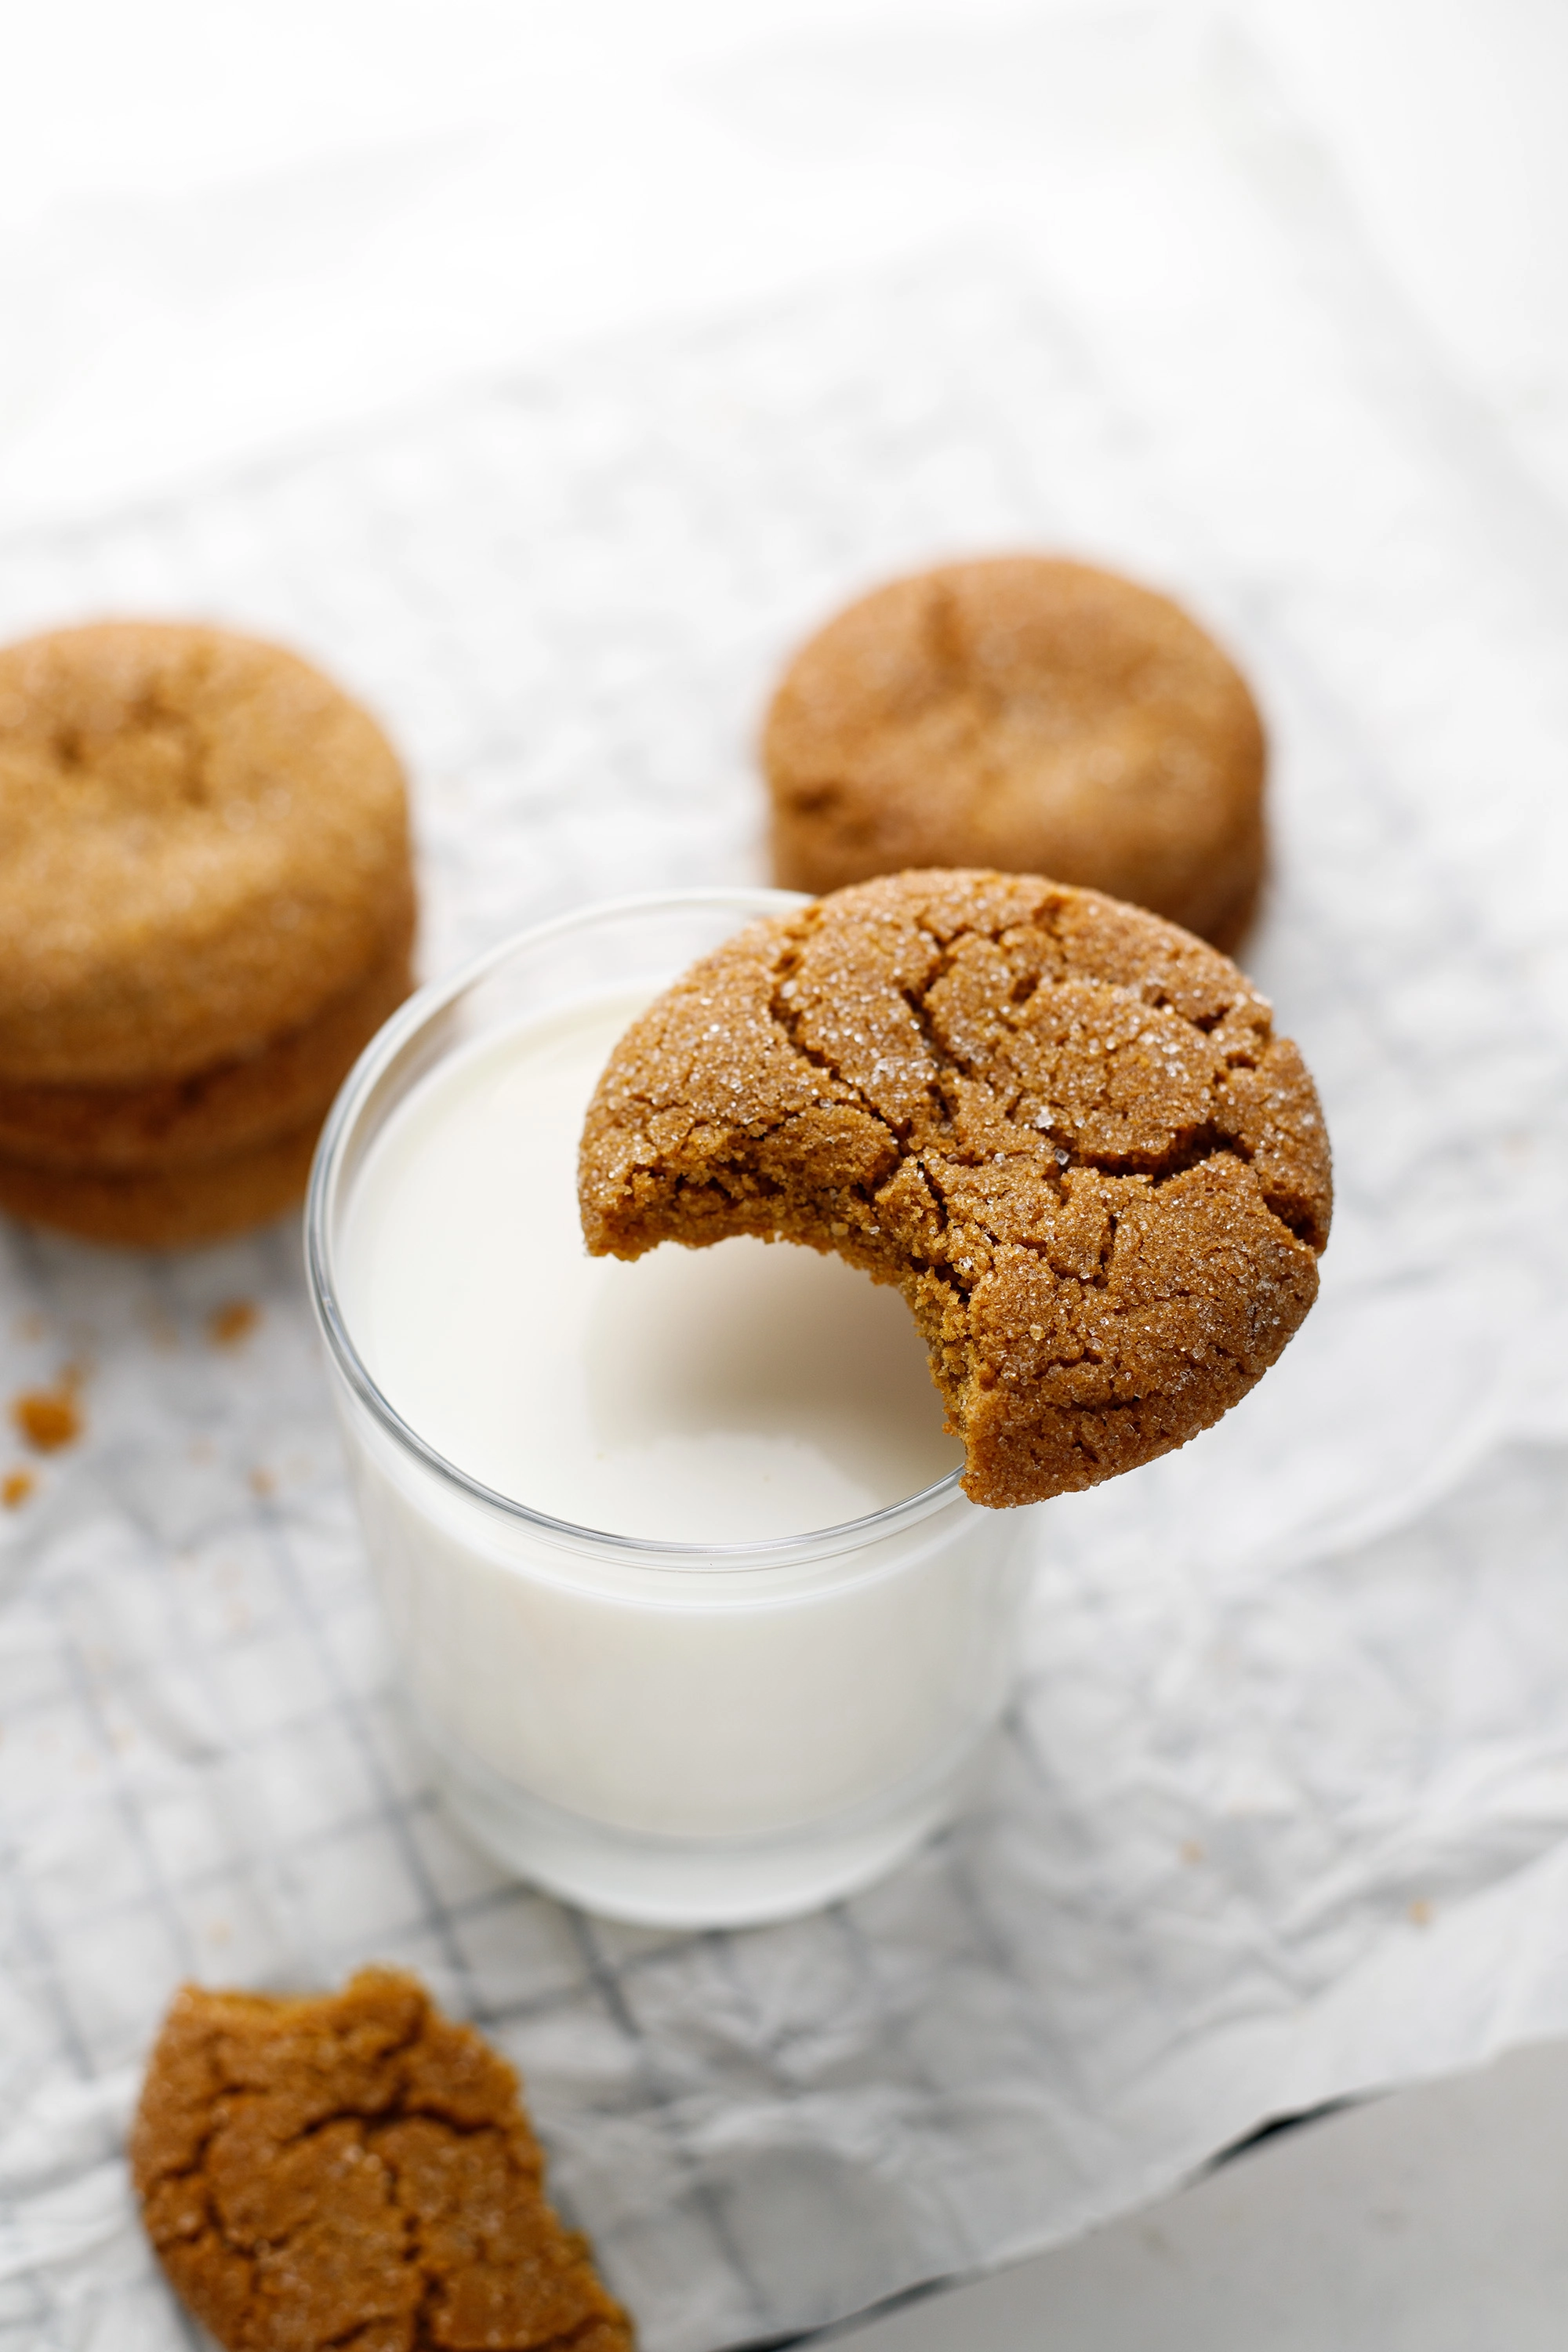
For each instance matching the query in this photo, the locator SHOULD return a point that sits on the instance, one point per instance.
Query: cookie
(1029, 714)
(1063, 1128)
(203, 845)
(172, 1208)
(215, 1112)
(355, 2170)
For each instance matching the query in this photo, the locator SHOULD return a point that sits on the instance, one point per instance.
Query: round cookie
(1029, 714)
(1063, 1128)
(203, 843)
(172, 1208)
(215, 1112)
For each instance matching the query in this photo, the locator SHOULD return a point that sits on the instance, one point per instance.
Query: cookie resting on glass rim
(1064, 1129)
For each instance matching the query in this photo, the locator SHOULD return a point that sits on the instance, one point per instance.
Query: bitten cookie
(1025, 713)
(203, 842)
(1063, 1128)
(354, 2169)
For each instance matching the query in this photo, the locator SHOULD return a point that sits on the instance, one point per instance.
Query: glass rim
(751, 901)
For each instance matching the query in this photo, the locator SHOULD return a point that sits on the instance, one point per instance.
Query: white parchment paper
(1280, 1813)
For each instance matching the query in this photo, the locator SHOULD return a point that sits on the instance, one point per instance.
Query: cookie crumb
(16, 1487)
(235, 1320)
(49, 1418)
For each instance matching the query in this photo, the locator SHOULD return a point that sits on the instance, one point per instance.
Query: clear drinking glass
(680, 1734)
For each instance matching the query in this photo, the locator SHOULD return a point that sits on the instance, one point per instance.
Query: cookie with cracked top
(1029, 713)
(354, 2169)
(1064, 1129)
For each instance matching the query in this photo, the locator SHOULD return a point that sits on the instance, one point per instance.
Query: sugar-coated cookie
(353, 2169)
(166, 1208)
(215, 1112)
(1062, 1127)
(203, 843)
(206, 910)
(1025, 713)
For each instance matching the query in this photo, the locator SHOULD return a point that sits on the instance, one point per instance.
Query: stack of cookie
(207, 909)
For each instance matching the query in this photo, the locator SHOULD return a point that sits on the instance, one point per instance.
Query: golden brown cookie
(213, 1112)
(172, 1208)
(1029, 714)
(353, 2169)
(203, 845)
(1063, 1128)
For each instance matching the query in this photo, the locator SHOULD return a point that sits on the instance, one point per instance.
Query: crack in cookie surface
(355, 2170)
(1063, 1128)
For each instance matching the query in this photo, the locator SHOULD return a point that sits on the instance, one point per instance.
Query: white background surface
(222, 229)
(1431, 2222)
(219, 226)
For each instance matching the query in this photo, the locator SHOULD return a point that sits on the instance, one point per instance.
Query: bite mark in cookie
(355, 2170)
(1063, 1128)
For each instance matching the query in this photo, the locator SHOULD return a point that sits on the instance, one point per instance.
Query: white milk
(722, 1395)
(693, 1735)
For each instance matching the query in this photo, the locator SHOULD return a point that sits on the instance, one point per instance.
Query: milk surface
(725, 1395)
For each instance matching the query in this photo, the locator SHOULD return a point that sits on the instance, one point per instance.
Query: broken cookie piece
(353, 2169)
(1062, 1127)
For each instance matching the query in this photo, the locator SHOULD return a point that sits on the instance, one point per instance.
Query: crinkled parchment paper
(1279, 1812)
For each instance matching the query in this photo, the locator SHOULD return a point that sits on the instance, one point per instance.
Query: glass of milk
(693, 1613)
